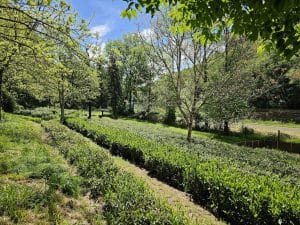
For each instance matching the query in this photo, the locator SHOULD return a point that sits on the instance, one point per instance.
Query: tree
(233, 81)
(272, 20)
(23, 76)
(42, 17)
(184, 60)
(116, 97)
(132, 56)
(145, 94)
(33, 28)
(283, 78)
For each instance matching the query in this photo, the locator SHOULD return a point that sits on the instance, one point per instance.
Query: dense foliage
(237, 195)
(275, 21)
(43, 55)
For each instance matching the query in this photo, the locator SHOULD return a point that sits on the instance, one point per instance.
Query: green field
(283, 164)
(235, 137)
(273, 123)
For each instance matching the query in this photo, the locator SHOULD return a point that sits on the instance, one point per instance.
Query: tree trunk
(62, 101)
(149, 100)
(90, 110)
(226, 69)
(206, 126)
(190, 129)
(226, 127)
(226, 50)
(1, 93)
(130, 103)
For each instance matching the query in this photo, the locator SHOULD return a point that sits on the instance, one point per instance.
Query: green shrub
(238, 196)
(15, 197)
(170, 117)
(9, 103)
(44, 113)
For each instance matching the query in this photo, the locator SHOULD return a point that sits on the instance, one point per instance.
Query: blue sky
(105, 17)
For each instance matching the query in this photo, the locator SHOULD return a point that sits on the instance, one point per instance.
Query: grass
(272, 123)
(37, 186)
(233, 137)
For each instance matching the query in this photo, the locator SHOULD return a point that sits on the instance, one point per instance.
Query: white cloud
(100, 30)
(147, 33)
(95, 50)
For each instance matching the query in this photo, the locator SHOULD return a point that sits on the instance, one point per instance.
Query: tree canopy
(275, 22)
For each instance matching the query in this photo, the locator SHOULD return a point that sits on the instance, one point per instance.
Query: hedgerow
(127, 199)
(258, 161)
(238, 196)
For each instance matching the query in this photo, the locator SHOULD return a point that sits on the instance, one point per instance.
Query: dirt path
(293, 132)
(172, 195)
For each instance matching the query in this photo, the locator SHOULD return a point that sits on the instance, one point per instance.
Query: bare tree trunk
(190, 129)
(149, 100)
(90, 110)
(62, 100)
(226, 68)
(1, 93)
(226, 127)
(130, 101)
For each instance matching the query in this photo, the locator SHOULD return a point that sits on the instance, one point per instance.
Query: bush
(170, 117)
(238, 196)
(9, 103)
(43, 112)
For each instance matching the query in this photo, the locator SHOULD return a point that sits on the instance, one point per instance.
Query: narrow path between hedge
(172, 195)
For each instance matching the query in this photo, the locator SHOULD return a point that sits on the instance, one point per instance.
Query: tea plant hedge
(127, 199)
(259, 161)
(240, 197)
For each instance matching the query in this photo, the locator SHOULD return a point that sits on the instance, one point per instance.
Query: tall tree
(116, 97)
(232, 82)
(134, 67)
(284, 83)
(184, 60)
(34, 27)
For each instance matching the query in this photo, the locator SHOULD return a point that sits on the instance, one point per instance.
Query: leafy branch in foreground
(272, 20)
